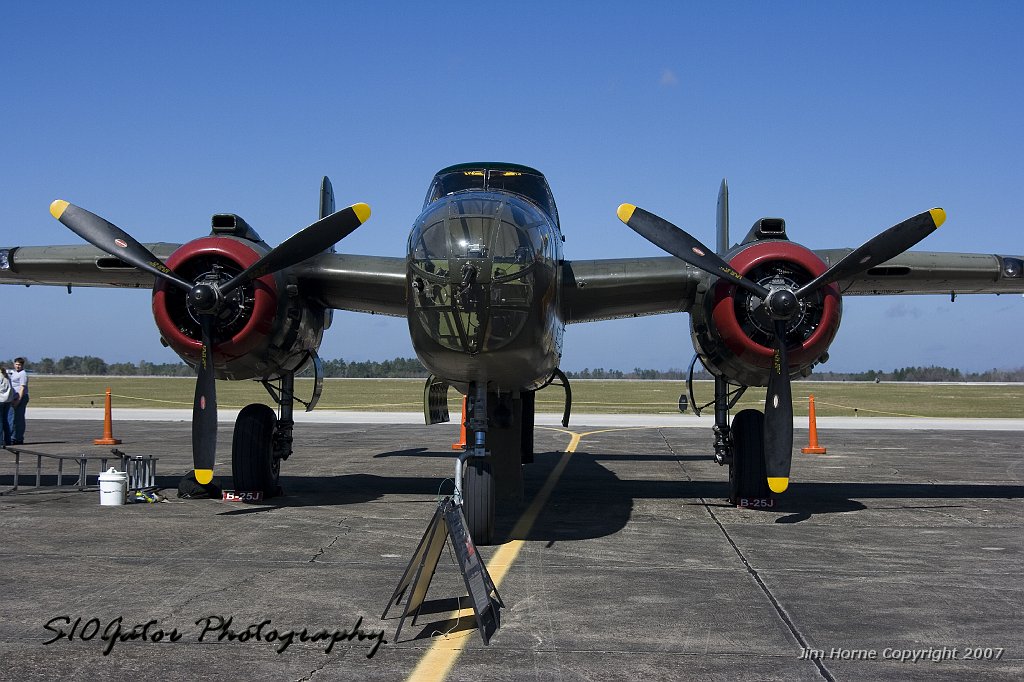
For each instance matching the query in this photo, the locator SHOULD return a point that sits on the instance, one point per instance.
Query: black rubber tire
(478, 500)
(747, 474)
(253, 466)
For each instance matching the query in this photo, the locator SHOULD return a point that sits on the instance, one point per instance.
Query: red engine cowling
(263, 333)
(732, 332)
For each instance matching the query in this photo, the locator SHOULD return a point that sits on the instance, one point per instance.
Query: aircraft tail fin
(326, 197)
(722, 219)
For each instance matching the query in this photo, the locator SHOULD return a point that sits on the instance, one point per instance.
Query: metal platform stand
(448, 521)
(141, 470)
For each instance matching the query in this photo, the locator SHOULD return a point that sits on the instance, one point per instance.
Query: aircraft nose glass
(472, 271)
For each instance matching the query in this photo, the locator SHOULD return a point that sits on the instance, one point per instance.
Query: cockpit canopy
(496, 177)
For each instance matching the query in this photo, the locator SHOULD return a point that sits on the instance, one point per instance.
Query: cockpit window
(459, 181)
(530, 185)
(533, 187)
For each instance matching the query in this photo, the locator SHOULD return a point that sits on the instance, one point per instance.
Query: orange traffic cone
(108, 427)
(462, 433)
(812, 447)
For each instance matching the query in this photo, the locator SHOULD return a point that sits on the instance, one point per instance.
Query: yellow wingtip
(938, 216)
(204, 476)
(778, 485)
(58, 207)
(625, 212)
(362, 212)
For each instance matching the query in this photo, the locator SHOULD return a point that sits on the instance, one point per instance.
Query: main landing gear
(741, 446)
(261, 440)
(748, 476)
(254, 463)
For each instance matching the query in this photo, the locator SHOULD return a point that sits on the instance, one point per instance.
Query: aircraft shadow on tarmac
(591, 501)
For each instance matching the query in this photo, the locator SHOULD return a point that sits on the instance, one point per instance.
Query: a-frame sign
(448, 521)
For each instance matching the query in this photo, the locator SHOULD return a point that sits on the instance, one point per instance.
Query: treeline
(411, 368)
(931, 373)
(92, 366)
(399, 368)
(926, 374)
(89, 365)
(637, 373)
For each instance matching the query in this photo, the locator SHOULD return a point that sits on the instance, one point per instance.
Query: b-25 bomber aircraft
(487, 295)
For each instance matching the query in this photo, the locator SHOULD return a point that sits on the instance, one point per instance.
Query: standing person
(16, 416)
(6, 407)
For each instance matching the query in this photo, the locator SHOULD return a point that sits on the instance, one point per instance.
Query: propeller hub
(204, 297)
(782, 304)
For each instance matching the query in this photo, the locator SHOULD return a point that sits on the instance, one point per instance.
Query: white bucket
(113, 487)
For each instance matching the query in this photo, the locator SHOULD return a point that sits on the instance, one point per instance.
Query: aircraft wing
(931, 272)
(627, 287)
(80, 266)
(374, 284)
(368, 284)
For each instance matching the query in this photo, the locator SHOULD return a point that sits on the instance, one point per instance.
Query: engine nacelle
(265, 331)
(733, 333)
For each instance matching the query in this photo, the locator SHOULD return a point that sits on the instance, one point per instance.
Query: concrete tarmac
(896, 555)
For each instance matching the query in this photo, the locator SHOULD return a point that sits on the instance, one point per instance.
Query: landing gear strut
(499, 441)
(477, 490)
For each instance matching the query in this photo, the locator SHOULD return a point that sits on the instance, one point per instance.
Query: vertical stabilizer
(326, 209)
(722, 221)
(326, 197)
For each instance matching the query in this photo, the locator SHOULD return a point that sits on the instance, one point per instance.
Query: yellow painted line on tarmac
(438, 661)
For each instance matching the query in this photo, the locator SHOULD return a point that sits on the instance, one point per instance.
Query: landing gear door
(435, 401)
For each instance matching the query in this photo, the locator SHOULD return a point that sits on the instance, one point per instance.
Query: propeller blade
(204, 409)
(878, 249)
(778, 416)
(303, 244)
(112, 239)
(684, 246)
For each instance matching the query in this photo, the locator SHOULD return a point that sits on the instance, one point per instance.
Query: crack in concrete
(320, 552)
(772, 599)
(312, 673)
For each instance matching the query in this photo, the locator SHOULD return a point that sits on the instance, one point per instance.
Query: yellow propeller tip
(778, 485)
(625, 212)
(362, 212)
(204, 476)
(938, 216)
(58, 207)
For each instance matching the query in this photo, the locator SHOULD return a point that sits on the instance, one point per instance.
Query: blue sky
(842, 118)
